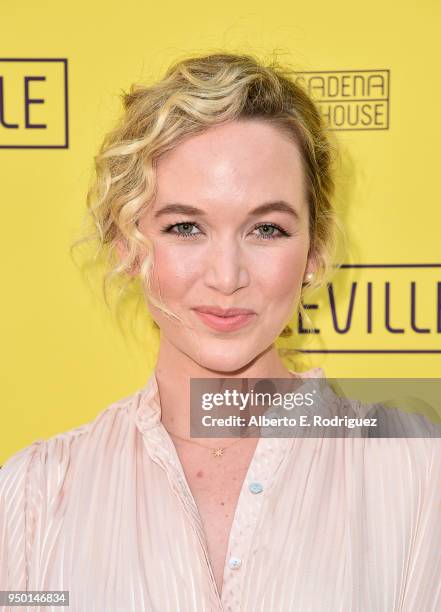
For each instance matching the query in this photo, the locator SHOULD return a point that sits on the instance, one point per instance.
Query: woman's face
(215, 245)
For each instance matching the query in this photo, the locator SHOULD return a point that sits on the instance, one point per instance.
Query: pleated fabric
(104, 511)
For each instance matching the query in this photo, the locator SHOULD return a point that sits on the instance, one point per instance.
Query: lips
(224, 319)
(224, 312)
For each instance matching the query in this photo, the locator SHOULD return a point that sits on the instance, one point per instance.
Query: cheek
(281, 272)
(174, 271)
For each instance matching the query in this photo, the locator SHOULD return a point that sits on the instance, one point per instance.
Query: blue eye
(270, 227)
(185, 226)
(270, 231)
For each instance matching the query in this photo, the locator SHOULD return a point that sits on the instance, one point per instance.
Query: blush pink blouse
(104, 511)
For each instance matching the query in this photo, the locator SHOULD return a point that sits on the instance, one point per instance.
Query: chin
(226, 367)
(227, 362)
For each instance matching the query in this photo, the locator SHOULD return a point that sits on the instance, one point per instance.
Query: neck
(174, 371)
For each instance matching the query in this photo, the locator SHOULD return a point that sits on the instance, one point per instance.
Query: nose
(226, 268)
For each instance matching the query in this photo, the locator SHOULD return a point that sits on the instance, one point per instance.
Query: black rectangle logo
(34, 103)
(350, 99)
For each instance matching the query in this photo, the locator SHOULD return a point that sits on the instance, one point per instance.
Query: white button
(255, 487)
(234, 563)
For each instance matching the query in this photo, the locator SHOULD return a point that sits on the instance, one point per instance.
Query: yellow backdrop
(374, 71)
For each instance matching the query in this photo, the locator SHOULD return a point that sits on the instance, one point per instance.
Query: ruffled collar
(148, 413)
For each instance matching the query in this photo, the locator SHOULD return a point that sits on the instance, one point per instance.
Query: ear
(123, 253)
(312, 264)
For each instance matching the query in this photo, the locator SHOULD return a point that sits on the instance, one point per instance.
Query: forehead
(245, 161)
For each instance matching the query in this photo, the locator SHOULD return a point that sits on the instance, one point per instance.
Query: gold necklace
(217, 451)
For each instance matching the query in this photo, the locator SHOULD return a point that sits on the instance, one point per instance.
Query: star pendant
(217, 452)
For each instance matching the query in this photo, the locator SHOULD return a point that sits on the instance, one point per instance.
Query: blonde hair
(194, 94)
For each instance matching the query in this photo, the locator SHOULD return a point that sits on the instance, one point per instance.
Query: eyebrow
(262, 209)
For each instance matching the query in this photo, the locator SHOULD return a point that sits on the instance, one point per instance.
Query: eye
(268, 231)
(185, 226)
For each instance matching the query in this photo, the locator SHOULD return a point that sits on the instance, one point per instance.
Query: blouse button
(234, 563)
(256, 487)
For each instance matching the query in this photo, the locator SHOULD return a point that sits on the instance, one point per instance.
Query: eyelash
(167, 230)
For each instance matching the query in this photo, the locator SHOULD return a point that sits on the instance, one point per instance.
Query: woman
(215, 190)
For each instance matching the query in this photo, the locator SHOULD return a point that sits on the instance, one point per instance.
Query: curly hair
(194, 94)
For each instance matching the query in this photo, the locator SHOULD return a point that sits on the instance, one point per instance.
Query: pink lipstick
(222, 319)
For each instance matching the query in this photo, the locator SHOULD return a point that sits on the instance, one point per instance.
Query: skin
(226, 171)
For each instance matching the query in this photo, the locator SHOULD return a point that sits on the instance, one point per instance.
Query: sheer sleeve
(21, 485)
